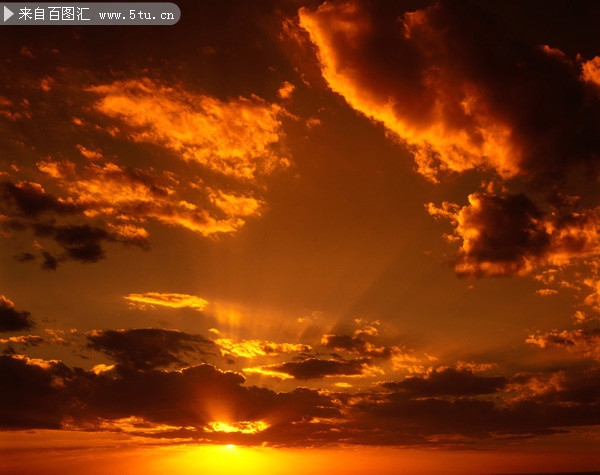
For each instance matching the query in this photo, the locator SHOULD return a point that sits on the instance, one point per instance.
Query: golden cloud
(243, 427)
(255, 348)
(28, 340)
(172, 300)
(268, 371)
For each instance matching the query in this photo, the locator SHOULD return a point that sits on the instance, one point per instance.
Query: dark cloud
(463, 91)
(580, 386)
(356, 344)
(449, 382)
(146, 348)
(31, 200)
(508, 234)
(345, 342)
(24, 257)
(193, 397)
(26, 202)
(500, 232)
(585, 342)
(508, 229)
(574, 403)
(41, 396)
(38, 394)
(31, 396)
(314, 368)
(50, 262)
(82, 243)
(11, 319)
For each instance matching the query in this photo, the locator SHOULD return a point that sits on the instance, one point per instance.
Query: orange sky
(357, 236)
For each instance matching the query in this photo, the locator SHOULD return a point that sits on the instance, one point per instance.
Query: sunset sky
(303, 237)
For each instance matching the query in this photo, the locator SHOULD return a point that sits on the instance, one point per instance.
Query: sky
(332, 237)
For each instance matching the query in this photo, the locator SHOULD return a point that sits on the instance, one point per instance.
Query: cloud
(577, 385)
(11, 319)
(146, 348)
(468, 419)
(49, 395)
(244, 427)
(172, 300)
(449, 382)
(462, 93)
(499, 234)
(238, 137)
(24, 257)
(26, 340)
(49, 262)
(357, 344)
(546, 292)
(286, 90)
(313, 368)
(83, 243)
(585, 342)
(128, 197)
(27, 202)
(204, 403)
(255, 348)
(508, 234)
(205, 171)
(31, 200)
(31, 396)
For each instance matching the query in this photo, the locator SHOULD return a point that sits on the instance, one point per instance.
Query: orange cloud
(171, 300)
(286, 90)
(28, 340)
(546, 292)
(584, 342)
(238, 137)
(590, 70)
(235, 205)
(102, 368)
(126, 194)
(593, 298)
